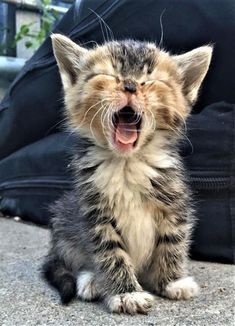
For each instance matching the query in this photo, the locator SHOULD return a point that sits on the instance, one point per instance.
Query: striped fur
(125, 228)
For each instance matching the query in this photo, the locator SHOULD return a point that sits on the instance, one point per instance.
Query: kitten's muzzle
(127, 126)
(128, 116)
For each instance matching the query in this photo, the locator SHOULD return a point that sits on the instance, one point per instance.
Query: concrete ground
(26, 300)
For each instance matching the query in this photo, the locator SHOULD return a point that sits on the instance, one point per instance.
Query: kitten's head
(123, 94)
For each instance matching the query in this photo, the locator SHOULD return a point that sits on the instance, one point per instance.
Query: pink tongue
(126, 133)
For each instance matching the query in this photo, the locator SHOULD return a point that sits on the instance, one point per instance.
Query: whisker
(104, 108)
(182, 119)
(152, 122)
(91, 107)
(72, 131)
(110, 35)
(55, 125)
(83, 120)
(179, 115)
(92, 41)
(104, 114)
(92, 120)
(108, 114)
(162, 31)
(180, 134)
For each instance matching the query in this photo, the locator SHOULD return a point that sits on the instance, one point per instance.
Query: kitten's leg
(87, 286)
(58, 275)
(167, 273)
(64, 261)
(182, 289)
(62, 275)
(116, 274)
(67, 255)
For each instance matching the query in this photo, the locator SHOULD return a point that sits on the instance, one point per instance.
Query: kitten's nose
(130, 86)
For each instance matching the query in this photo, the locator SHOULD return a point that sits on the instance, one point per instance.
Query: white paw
(130, 303)
(86, 286)
(182, 289)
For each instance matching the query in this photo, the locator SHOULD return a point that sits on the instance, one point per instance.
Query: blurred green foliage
(35, 39)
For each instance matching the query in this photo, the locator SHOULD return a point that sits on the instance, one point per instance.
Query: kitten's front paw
(182, 289)
(130, 303)
(86, 285)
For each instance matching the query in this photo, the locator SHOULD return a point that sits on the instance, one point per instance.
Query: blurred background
(24, 24)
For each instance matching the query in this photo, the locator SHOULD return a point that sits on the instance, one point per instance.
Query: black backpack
(35, 152)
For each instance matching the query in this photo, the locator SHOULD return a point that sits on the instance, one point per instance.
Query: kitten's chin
(123, 147)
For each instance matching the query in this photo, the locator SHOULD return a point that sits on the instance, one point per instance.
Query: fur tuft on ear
(193, 67)
(67, 54)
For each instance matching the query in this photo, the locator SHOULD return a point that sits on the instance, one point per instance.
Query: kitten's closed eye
(93, 75)
(151, 81)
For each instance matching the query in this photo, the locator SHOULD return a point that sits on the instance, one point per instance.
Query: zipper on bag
(36, 183)
(209, 183)
(197, 182)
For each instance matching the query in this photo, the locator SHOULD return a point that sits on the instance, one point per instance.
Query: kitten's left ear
(193, 66)
(68, 55)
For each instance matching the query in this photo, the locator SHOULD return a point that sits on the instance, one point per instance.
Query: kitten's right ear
(67, 54)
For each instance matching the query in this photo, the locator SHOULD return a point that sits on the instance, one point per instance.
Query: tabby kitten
(125, 228)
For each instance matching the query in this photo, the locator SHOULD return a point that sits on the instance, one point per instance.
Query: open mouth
(127, 125)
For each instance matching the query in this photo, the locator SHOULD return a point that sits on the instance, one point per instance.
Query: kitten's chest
(126, 190)
(138, 230)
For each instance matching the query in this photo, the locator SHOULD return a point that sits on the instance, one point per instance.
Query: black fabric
(33, 150)
(210, 161)
(34, 176)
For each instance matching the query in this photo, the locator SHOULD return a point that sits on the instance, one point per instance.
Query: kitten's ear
(193, 66)
(67, 54)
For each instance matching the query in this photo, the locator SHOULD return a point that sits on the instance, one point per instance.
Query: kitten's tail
(55, 272)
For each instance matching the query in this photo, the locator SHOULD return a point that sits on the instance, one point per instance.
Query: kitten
(125, 228)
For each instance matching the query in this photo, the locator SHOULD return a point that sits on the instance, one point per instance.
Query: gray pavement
(26, 300)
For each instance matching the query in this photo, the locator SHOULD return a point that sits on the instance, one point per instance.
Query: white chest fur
(124, 182)
(138, 231)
